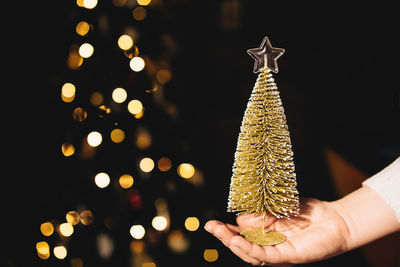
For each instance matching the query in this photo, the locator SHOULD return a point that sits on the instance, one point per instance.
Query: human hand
(319, 232)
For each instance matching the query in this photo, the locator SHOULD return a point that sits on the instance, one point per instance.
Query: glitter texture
(264, 178)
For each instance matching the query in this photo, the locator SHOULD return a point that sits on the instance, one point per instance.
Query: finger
(241, 254)
(220, 231)
(254, 220)
(233, 228)
(267, 254)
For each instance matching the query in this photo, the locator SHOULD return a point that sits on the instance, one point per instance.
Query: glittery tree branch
(264, 178)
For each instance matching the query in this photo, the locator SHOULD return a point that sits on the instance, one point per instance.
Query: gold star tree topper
(263, 174)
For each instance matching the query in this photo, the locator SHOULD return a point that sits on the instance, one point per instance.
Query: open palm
(319, 232)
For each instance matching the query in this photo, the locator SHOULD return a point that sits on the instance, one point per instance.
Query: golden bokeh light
(160, 204)
(135, 106)
(60, 252)
(137, 246)
(137, 64)
(67, 149)
(119, 95)
(89, 4)
(139, 115)
(79, 3)
(72, 217)
(143, 2)
(126, 181)
(106, 109)
(131, 53)
(143, 138)
(149, 264)
(164, 164)
(86, 50)
(102, 180)
(47, 228)
(96, 98)
(79, 114)
(210, 255)
(68, 92)
(74, 60)
(87, 217)
(186, 170)
(139, 13)
(119, 3)
(146, 164)
(163, 76)
(66, 229)
(159, 223)
(137, 231)
(125, 42)
(192, 224)
(43, 250)
(117, 135)
(94, 139)
(177, 241)
(82, 28)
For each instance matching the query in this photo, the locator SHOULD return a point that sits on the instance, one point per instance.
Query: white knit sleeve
(387, 184)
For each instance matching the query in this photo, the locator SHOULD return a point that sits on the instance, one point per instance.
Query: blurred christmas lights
(135, 106)
(185, 170)
(164, 164)
(66, 229)
(125, 42)
(137, 64)
(192, 224)
(67, 149)
(86, 50)
(47, 228)
(72, 217)
(177, 241)
(117, 135)
(146, 164)
(137, 231)
(159, 73)
(43, 250)
(96, 98)
(143, 2)
(89, 4)
(79, 114)
(102, 180)
(139, 13)
(68, 92)
(210, 255)
(94, 139)
(119, 95)
(60, 252)
(82, 28)
(159, 223)
(126, 181)
(86, 217)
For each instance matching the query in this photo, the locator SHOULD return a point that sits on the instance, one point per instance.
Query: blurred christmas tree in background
(132, 189)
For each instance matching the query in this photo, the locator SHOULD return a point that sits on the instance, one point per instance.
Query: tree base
(263, 237)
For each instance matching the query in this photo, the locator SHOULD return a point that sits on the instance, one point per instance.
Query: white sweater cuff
(387, 184)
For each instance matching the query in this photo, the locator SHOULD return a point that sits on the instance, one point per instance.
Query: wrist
(367, 217)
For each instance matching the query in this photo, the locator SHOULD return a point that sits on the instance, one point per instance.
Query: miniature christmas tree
(264, 179)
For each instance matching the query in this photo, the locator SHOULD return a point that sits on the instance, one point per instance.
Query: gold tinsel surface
(264, 178)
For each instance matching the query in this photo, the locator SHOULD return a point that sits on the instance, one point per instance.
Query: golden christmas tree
(264, 178)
